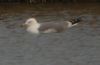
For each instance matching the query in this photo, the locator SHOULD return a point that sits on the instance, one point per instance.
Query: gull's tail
(76, 20)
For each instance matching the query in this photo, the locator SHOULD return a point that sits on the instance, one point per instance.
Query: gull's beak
(24, 25)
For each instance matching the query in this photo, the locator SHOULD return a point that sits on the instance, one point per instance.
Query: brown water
(77, 8)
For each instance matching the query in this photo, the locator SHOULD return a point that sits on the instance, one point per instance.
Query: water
(79, 45)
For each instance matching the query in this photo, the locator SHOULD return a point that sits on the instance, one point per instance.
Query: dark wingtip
(76, 20)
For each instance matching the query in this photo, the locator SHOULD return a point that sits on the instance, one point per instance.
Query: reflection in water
(83, 7)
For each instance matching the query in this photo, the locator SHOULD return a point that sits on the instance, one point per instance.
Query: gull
(33, 26)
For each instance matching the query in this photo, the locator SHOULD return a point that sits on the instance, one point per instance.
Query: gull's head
(31, 25)
(30, 21)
